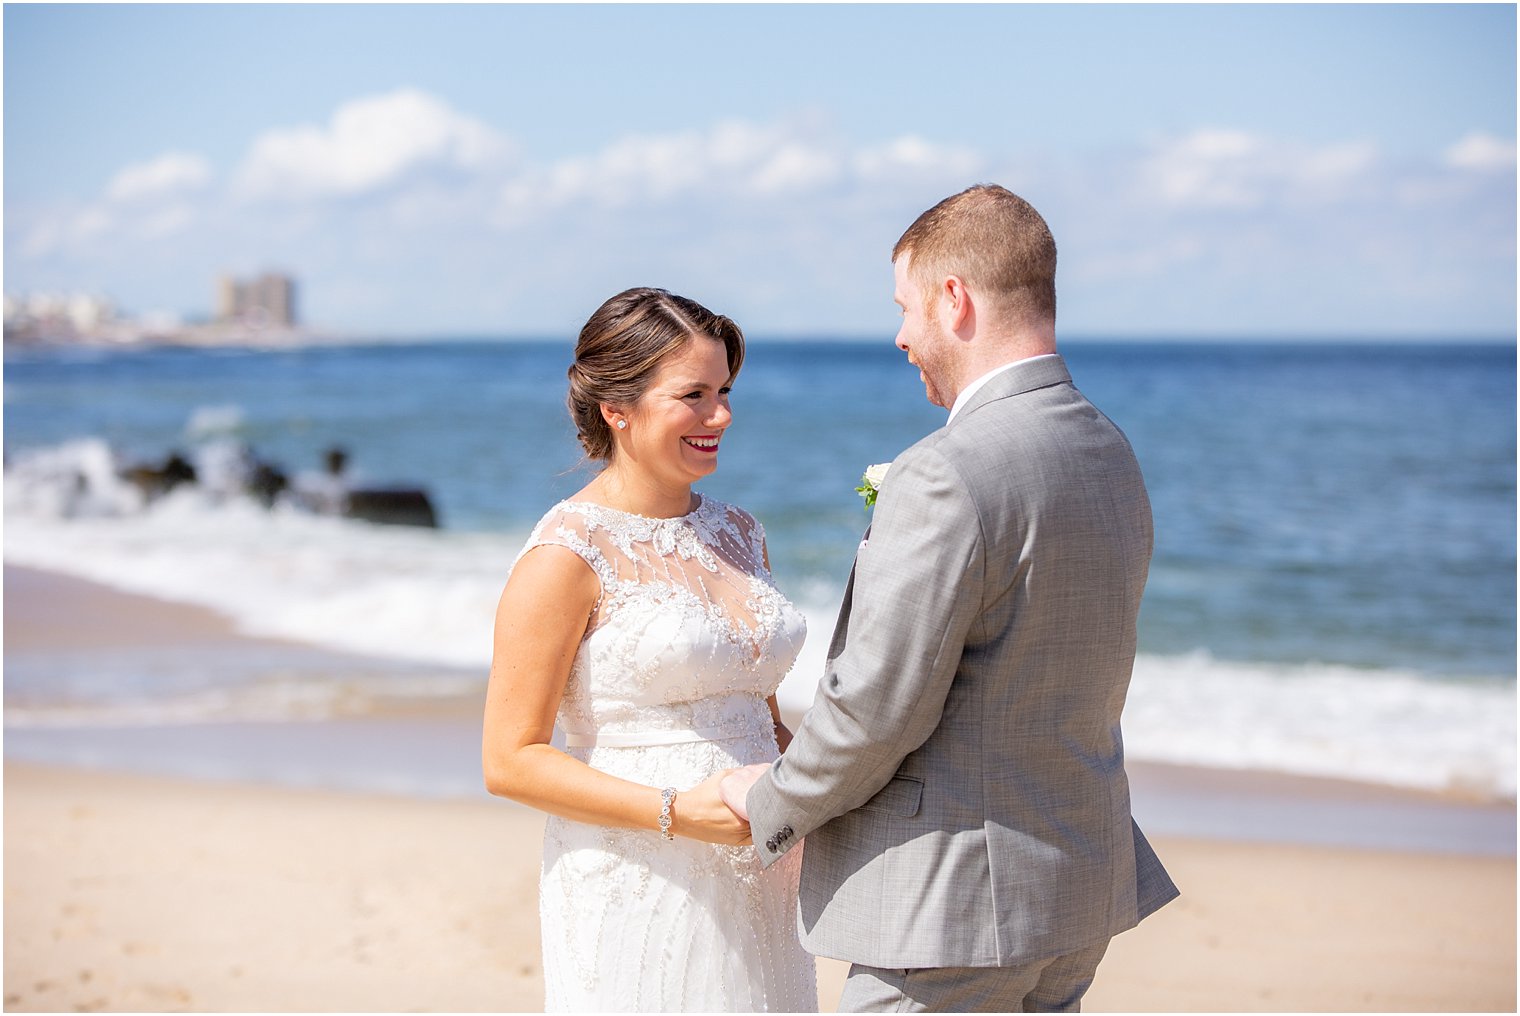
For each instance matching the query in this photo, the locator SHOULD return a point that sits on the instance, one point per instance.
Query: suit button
(770, 844)
(786, 832)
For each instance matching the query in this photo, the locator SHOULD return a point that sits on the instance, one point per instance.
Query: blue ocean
(1332, 592)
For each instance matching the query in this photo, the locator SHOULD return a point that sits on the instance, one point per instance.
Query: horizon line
(1078, 338)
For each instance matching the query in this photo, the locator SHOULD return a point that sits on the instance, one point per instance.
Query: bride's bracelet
(667, 799)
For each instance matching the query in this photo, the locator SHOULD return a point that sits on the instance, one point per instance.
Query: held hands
(714, 810)
(701, 814)
(734, 787)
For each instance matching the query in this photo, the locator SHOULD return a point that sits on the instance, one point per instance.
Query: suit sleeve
(916, 592)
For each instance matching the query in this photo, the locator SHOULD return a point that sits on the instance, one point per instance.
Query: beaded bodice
(689, 633)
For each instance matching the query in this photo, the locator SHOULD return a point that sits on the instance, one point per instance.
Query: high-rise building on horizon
(266, 301)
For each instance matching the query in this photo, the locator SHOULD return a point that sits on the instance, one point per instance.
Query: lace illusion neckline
(702, 503)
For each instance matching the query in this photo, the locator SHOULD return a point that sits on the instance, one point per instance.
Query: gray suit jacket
(960, 777)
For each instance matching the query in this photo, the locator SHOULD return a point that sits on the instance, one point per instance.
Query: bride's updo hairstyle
(621, 348)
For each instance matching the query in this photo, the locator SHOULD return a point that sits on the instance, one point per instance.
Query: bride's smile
(674, 430)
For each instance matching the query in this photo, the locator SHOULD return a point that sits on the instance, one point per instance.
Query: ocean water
(1333, 589)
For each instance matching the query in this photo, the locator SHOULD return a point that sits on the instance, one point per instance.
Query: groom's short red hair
(995, 242)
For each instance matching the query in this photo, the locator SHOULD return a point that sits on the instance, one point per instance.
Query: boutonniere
(870, 482)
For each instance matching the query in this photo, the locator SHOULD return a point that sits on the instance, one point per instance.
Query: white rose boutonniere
(871, 480)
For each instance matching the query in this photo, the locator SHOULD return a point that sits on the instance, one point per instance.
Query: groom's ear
(954, 301)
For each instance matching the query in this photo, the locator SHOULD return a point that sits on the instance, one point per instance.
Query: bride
(642, 617)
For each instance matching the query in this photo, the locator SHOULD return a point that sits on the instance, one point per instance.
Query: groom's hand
(702, 814)
(734, 787)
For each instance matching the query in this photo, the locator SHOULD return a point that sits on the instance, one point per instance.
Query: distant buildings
(66, 315)
(260, 310)
(268, 301)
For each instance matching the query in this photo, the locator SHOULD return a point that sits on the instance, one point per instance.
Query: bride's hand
(701, 814)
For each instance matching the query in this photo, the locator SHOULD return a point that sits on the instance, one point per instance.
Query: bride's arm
(783, 733)
(540, 620)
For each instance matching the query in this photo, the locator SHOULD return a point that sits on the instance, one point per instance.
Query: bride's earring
(622, 425)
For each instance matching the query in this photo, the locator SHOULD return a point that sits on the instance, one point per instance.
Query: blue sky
(1208, 170)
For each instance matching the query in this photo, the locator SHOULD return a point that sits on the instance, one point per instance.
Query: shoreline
(437, 759)
(430, 747)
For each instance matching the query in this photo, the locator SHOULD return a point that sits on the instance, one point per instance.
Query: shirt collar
(971, 389)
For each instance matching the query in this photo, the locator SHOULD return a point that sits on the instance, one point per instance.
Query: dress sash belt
(643, 738)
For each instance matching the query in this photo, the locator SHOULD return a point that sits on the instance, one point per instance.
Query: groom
(960, 777)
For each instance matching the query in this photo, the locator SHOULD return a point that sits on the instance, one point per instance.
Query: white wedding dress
(668, 686)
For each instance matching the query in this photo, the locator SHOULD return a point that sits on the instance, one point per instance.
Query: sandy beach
(132, 892)
(143, 894)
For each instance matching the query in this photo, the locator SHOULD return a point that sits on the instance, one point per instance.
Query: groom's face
(922, 336)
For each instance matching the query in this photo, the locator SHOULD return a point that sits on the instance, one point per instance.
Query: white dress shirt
(971, 389)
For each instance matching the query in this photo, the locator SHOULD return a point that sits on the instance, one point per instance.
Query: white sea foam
(74, 479)
(1377, 726)
(1380, 726)
(215, 421)
(429, 597)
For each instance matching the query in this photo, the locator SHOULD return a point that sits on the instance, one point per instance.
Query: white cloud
(912, 155)
(1322, 172)
(1148, 260)
(795, 167)
(732, 160)
(145, 201)
(170, 174)
(784, 222)
(737, 143)
(166, 222)
(66, 229)
(370, 144)
(1209, 168)
(1482, 152)
(1236, 170)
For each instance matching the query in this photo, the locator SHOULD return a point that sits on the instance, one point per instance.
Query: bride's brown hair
(620, 350)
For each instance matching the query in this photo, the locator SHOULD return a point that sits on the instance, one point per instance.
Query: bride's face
(675, 428)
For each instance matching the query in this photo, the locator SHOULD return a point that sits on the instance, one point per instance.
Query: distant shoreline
(189, 336)
(274, 339)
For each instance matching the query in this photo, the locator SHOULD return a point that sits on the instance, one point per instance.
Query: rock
(156, 481)
(393, 506)
(327, 493)
(266, 483)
